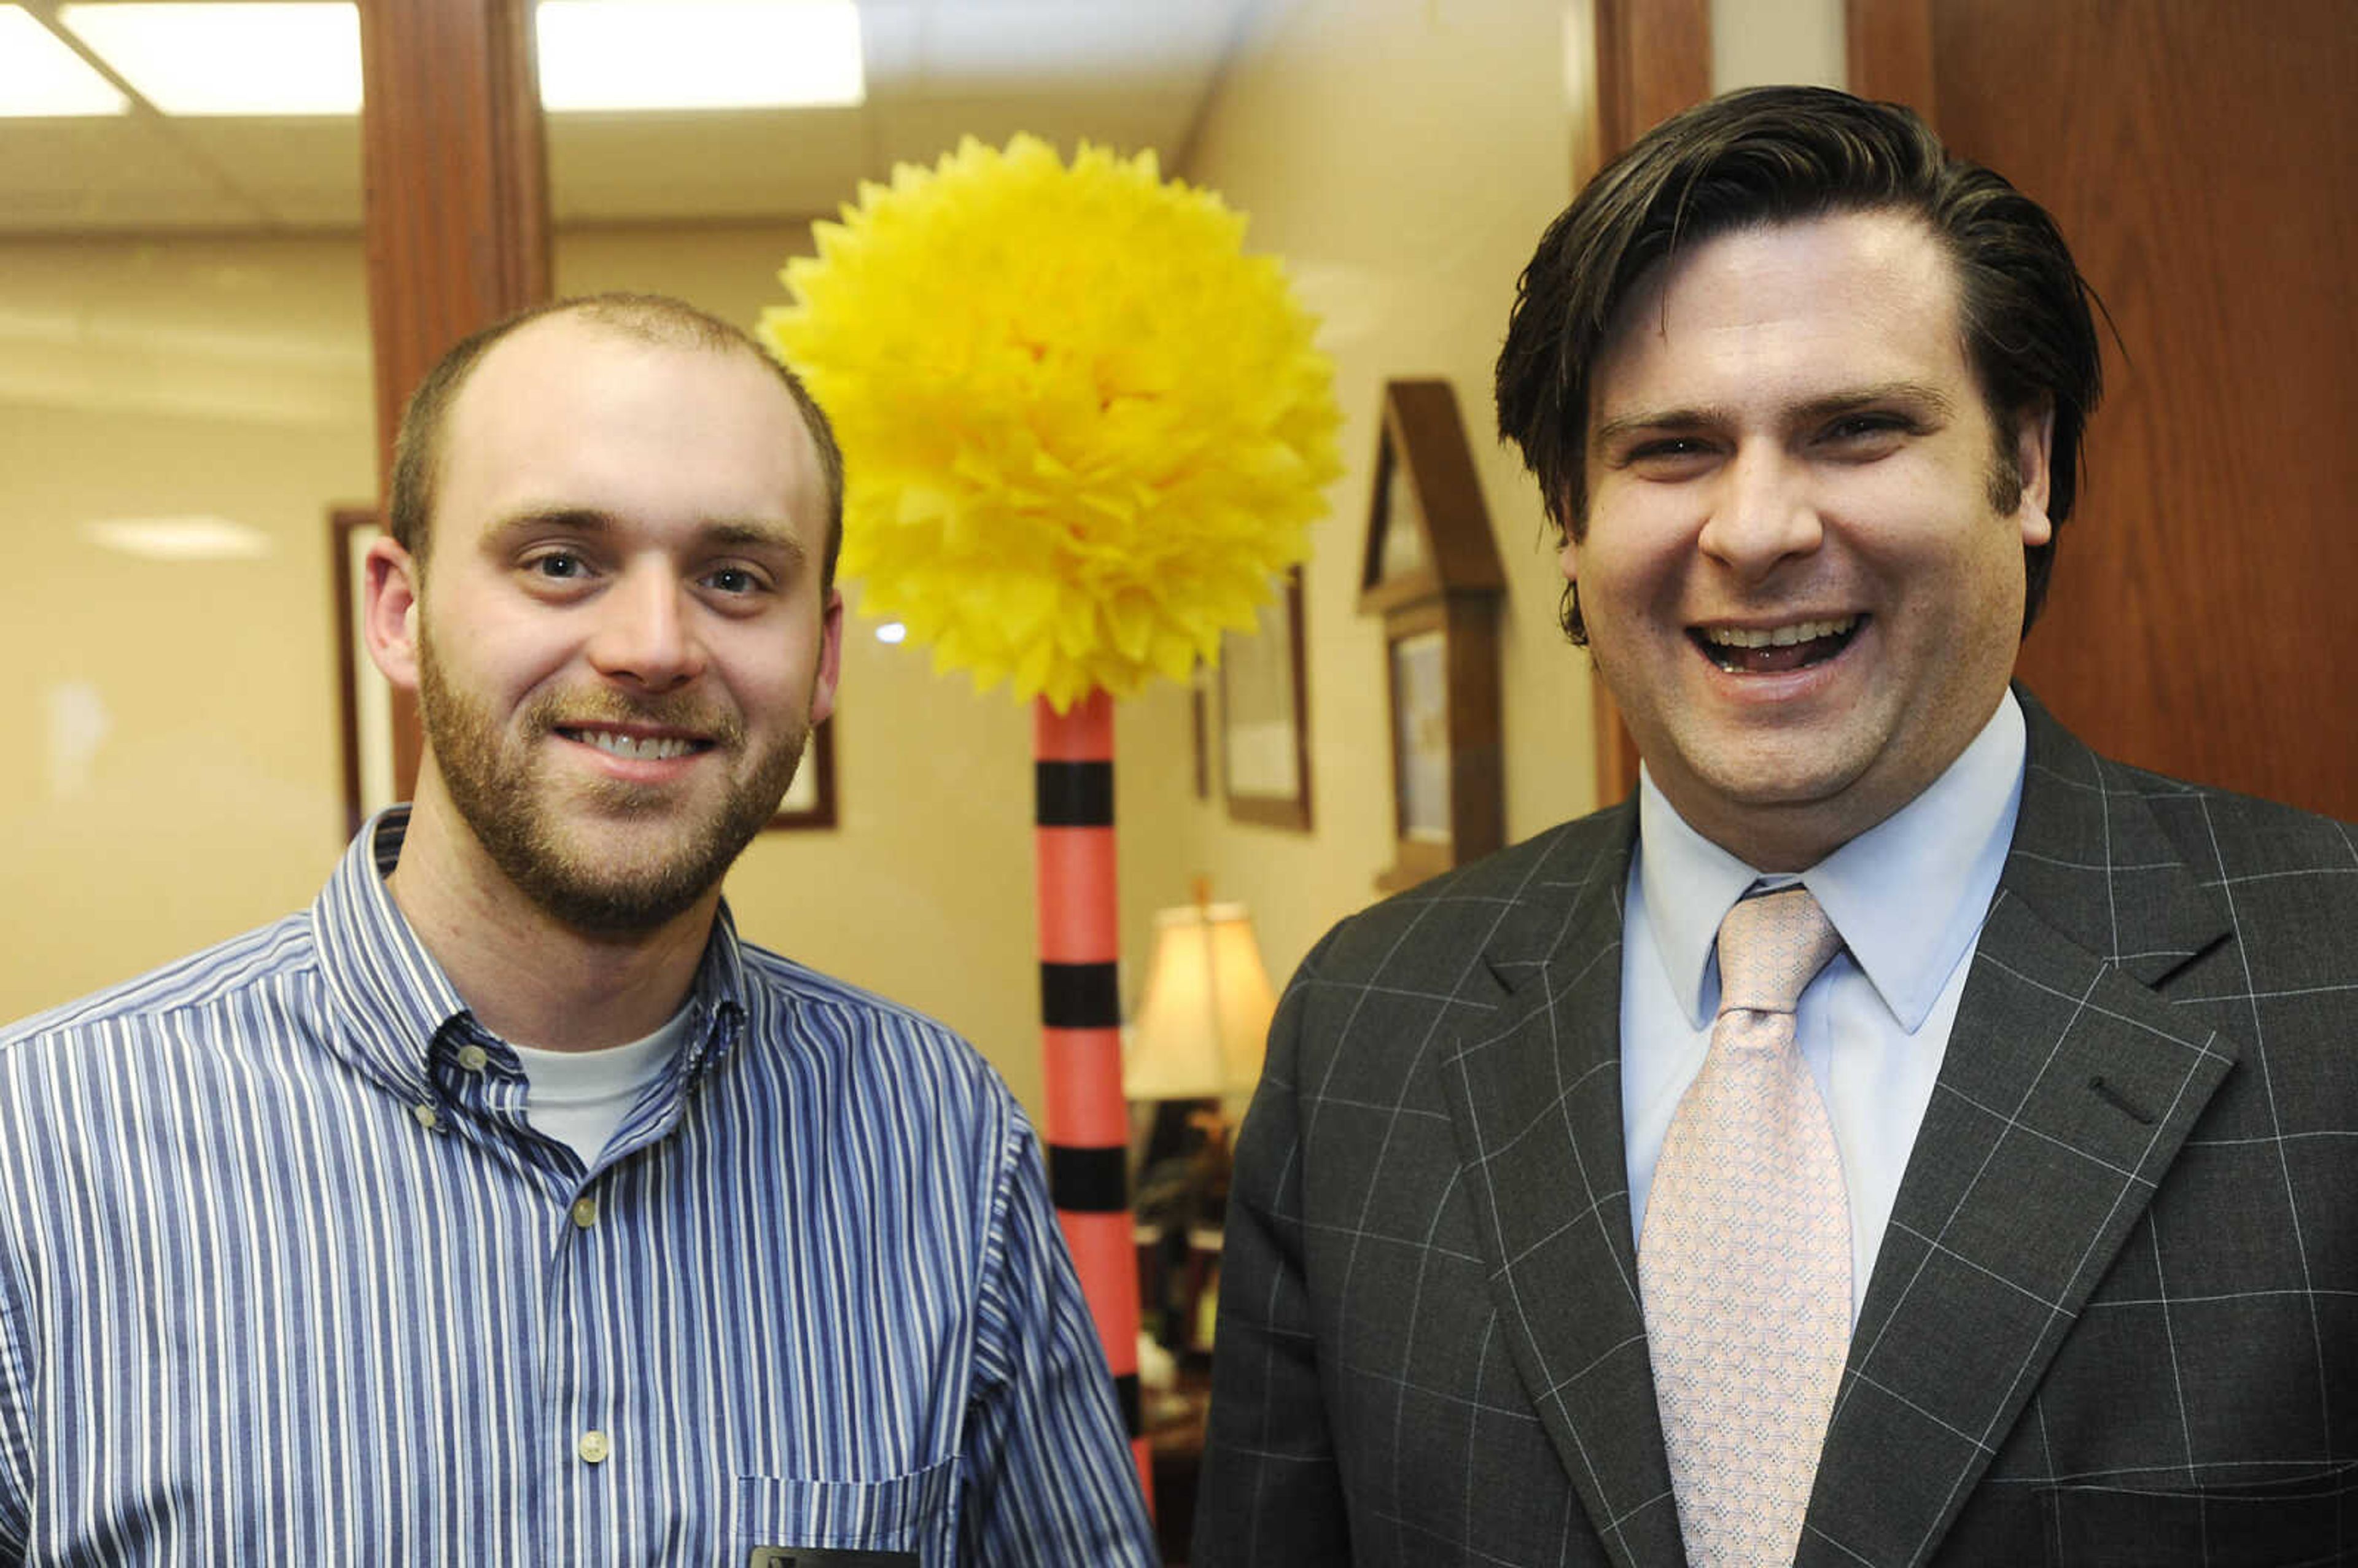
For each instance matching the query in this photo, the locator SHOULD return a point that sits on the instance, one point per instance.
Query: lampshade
(1202, 1028)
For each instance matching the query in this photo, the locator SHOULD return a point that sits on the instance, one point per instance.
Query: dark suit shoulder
(2229, 837)
(2151, 873)
(2283, 880)
(1509, 905)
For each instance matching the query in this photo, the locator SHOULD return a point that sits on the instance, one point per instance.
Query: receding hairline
(657, 321)
(655, 331)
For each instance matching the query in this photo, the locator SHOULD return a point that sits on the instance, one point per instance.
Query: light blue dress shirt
(1909, 897)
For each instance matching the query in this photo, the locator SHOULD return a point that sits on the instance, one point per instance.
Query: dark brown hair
(1784, 155)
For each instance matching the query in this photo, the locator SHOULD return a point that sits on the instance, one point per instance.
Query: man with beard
(504, 1207)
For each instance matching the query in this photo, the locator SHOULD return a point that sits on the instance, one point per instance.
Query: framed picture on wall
(810, 799)
(364, 696)
(1264, 716)
(1420, 693)
(1432, 572)
(1199, 724)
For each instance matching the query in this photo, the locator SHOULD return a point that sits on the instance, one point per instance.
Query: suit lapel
(2069, 1085)
(1535, 1092)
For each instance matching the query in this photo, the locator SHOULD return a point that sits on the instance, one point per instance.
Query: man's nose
(1762, 515)
(646, 635)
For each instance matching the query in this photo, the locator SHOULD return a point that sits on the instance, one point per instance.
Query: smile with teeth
(1773, 649)
(639, 748)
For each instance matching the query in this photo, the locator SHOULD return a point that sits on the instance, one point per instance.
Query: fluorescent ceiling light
(180, 539)
(40, 75)
(699, 54)
(301, 58)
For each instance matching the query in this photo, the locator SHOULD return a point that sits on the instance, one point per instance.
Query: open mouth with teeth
(638, 748)
(1772, 650)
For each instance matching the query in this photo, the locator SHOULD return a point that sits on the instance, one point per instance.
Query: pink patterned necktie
(1744, 1265)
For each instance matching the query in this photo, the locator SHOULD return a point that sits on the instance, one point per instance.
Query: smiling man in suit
(1899, 1135)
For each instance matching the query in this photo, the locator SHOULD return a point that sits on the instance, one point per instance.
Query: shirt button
(428, 1117)
(594, 1447)
(585, 1215)
(473, 1057)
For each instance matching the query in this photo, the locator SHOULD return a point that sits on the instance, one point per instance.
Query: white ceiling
(1127, 73)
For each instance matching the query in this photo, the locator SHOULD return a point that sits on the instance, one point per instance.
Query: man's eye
(559, 566)
(1669, 457)
(1866, 427)
(734, 580)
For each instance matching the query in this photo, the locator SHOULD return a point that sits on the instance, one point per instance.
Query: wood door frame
(454, 206)
(1653, 59)
(1887, 53)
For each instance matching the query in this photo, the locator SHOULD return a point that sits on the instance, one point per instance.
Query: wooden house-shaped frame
(1431, 571)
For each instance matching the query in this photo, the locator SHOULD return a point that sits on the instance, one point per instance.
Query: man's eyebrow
(571, 519)
(1926, 399)
(1922, 398)
(747, 534)
(1662, 419)
(723, 533)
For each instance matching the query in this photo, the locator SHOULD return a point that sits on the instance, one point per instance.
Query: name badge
(827, 1557)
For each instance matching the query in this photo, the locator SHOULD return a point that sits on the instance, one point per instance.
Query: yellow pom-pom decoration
(1082, 427)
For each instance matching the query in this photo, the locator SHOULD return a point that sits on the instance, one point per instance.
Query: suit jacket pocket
(2310, 1519)
(916, 1513)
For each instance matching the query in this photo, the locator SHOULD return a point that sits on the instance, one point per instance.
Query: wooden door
(2202, 156)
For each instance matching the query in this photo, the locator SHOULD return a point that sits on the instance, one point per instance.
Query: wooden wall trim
(1890, 53)
(455, 202)
(1653, 59)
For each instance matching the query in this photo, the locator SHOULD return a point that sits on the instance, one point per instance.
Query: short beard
(502, 803)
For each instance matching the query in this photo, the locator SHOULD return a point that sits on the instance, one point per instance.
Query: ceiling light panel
(255, 58)
(180, 539)
(698, 54)
(41, 75)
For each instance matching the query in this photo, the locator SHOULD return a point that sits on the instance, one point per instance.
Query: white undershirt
(579, 1097)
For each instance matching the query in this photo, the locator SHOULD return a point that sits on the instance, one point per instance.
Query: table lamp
(1198, 1040)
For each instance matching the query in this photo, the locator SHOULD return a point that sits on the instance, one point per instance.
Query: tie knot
(1771, 948)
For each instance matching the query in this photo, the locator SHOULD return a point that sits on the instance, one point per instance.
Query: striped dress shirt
(287, 1277)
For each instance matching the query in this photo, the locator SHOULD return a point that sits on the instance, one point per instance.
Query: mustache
(561, 710)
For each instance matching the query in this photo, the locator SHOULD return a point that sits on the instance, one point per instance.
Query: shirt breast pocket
(912, 1517)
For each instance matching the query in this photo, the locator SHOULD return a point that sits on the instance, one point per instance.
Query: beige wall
(180, 778)
(174, 722)
(1403, 157)
(1755, 43)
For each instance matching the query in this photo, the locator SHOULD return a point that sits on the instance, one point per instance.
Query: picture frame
(364, 698)
(1199, 725)
(809, 801)
(1431, 571)
(1265, 715)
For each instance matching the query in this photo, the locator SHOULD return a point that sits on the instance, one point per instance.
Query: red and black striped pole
(1080, 1012)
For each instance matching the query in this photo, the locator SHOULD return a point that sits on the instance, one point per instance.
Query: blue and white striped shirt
(287, 1277)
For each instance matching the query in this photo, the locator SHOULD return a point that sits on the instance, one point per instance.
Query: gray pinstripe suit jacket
(2114, 1319)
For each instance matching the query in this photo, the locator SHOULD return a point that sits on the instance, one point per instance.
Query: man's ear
(2034, 459)
(831, 658)
(389, 622)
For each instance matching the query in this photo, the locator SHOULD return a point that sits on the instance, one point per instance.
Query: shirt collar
(395, 1005)
(1907, 895)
